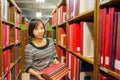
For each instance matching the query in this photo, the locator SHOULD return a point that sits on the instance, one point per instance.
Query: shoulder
(50, 39)
(28, 46)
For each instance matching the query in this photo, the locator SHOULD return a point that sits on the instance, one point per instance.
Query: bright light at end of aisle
(38, 14)
(40, 1)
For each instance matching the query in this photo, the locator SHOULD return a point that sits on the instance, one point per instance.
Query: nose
(40, 30)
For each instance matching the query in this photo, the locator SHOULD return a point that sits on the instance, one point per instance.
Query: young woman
(39, 52)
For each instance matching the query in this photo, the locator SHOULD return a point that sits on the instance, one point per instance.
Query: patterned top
(38, 58)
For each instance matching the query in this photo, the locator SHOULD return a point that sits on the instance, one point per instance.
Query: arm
(55, 61)
(55, 56)
(29, 62)
(37, 74)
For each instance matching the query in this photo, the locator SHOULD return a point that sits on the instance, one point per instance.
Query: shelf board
(12, 1)
(11, 66)
(25, 39)
(54, 43)
(20, 71)
(87, 59)
(18, 43)
(17, 60)
(61, 2)
(9, 46)
(17, 27)
(53, 27)
(54, 10)
(62, 46)
(109, 3)
(9, 23)
(85, 16)
(110, 72)
(63, 24)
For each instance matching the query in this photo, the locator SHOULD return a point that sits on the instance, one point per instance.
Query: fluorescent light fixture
(40, 1)
(38, 14)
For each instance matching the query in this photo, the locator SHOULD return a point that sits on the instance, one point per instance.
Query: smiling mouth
(40, 34)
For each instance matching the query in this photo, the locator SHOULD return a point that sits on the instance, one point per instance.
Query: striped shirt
(39, 58)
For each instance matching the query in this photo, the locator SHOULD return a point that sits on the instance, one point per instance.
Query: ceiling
(30, 7)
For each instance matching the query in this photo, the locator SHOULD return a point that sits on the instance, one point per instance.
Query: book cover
(53, 69)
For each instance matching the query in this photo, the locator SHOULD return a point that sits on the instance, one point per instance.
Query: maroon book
(53, 69)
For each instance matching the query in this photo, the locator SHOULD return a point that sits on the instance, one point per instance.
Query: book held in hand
(53, 69)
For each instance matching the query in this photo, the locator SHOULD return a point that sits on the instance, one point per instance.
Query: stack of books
(55, 71)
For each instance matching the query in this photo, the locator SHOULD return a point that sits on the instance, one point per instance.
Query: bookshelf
(10, 41)
(24, 41)
(90, 15)
(107, 5)
(48, 27)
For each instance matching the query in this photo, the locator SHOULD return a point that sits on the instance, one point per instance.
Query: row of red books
(62, 36)
(79, 69)
(81, 38)
(6, 13)
(6, 35)
(61, 14)
(6, 61)
(109, 46)
(76, 7)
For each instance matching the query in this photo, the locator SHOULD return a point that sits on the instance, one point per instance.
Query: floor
(25, 76)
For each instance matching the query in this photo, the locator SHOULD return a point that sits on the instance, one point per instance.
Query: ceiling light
(38, 14)
(40, 1)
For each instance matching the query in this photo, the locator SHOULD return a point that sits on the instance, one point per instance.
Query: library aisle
(85, 35)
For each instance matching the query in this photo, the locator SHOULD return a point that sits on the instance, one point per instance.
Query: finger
(40, 73)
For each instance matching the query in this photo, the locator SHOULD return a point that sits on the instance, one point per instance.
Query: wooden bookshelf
(85, 16)
(19, 74)
(11, 18)
(91, 15)
(11, 66)
(7, 22)
(61, 2)
(48, 27)
(62, 46)
(107, 4)
(24, 41)
(87, 59)
(110, 72)
(63, 24)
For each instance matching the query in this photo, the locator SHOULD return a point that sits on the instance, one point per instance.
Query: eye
(35, 28)
(41, 27)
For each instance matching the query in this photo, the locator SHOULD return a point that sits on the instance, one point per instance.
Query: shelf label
(23, 27)
(104, 69)
(50, 28)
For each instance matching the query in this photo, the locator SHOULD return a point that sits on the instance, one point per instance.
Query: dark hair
(33, 23)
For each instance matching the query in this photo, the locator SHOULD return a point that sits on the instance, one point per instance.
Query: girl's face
(38, 31)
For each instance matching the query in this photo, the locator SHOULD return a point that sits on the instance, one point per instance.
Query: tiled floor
(25, 76)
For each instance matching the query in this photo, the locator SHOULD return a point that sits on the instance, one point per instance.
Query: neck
(38, 40)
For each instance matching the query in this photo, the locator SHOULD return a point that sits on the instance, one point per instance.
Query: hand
(39, 76)
(55, 61)
(46, 77)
